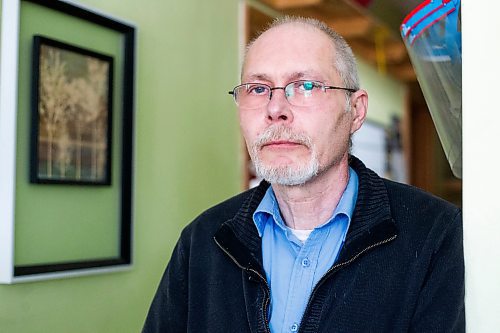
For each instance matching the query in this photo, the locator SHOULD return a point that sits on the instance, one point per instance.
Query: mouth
(281, 144)
(281, 140)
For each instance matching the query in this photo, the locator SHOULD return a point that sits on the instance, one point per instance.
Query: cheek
(344, 124)
(333, 137)
(248, 126)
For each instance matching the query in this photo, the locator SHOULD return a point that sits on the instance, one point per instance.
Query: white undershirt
(302, 235)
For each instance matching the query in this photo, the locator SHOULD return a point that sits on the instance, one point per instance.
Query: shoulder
(406, 204)
(409, 200)
(424, 221)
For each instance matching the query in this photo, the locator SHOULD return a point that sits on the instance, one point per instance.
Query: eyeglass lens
(298, 93)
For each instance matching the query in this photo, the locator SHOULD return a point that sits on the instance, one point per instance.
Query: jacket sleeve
(440, 306)
(168, 311)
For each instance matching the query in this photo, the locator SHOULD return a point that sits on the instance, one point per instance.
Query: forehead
(289, 51)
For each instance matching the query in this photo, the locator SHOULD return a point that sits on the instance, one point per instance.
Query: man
(329, 246)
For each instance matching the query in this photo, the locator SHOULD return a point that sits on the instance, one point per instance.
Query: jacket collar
(371, 224)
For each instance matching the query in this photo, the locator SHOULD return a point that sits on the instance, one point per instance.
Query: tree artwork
(74, 94)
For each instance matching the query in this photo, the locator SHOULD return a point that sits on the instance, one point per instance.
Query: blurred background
(189, 154)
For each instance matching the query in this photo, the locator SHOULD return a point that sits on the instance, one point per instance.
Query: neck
(309, 205)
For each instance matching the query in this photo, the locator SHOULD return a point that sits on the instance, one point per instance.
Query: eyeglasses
(297, 93)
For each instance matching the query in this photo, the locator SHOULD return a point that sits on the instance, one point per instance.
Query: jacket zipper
(267, 289)
(334, 267)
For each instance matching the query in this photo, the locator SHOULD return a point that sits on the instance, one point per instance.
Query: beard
(289, 175)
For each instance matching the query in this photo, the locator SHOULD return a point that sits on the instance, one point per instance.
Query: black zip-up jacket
(401, 269)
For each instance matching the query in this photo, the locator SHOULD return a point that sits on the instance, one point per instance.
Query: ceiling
(371, 27)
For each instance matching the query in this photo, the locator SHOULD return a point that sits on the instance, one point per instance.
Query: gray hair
(345, 62)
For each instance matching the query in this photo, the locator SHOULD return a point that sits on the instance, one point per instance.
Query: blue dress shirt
(293, 268)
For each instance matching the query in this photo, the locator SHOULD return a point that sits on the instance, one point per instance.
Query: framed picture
(71, 111)
(66, 121)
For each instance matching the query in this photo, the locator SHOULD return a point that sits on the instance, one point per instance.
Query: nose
(278, 108)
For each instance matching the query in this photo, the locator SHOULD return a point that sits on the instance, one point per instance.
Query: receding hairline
(282, 22)
(306, 22)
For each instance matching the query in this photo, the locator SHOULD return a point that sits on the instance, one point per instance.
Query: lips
(281, 144)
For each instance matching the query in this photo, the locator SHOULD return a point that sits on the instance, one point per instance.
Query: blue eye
(308, 85)
(257, 90)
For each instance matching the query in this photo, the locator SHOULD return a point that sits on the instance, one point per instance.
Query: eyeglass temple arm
(341, 88)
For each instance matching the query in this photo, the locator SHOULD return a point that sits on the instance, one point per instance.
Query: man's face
(290, 145)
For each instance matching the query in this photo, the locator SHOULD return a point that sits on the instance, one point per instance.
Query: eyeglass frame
(324, 88)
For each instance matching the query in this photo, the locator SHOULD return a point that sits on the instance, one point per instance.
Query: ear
(359, 107)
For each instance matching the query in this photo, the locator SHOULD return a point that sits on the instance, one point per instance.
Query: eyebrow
(258, 77)
(290, 77)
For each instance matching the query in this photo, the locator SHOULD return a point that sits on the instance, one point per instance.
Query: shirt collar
(268, 206)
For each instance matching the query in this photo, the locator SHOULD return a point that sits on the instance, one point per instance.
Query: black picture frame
(71, 136)
(124, 257)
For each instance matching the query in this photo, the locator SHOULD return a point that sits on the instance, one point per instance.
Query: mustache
(281, 133)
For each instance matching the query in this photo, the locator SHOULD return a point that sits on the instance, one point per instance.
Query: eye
(255, 89)
(307, 85)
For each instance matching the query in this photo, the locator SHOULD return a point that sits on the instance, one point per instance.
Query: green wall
(186, 159)
(70, 231)
(386, 95)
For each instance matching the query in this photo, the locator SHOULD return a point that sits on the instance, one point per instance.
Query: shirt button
(294, 327)
(306, 262)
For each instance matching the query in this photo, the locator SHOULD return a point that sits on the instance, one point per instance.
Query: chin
(288, 174)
